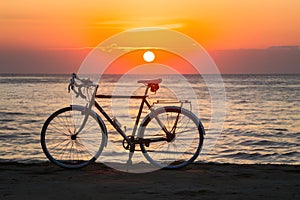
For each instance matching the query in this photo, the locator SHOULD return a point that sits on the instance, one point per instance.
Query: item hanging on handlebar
(72, 82)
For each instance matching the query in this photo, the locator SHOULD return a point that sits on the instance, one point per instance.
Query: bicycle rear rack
(181, 102)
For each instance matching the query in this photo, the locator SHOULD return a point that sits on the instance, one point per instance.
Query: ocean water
(262, 121)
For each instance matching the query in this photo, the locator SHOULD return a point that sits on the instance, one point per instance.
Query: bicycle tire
(64, 149)
(166, 154)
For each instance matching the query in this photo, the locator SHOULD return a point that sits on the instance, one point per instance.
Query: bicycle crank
(125, 143)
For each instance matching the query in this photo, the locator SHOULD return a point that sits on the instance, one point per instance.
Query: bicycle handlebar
(84, 83)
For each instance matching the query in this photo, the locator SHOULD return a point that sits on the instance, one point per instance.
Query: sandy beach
(197, 181)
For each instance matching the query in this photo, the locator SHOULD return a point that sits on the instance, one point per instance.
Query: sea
(249, 118)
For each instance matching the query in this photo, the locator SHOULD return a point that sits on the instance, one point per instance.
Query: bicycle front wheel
(185, 145)
(65, 144)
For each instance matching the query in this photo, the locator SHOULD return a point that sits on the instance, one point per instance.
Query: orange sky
(135, 58)
(216, 24)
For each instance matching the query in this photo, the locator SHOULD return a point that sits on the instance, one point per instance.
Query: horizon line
(48, 73)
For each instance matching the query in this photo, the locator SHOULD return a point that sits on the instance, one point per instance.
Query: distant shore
(196, 181)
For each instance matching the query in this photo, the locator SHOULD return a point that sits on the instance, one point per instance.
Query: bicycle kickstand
(131, 152)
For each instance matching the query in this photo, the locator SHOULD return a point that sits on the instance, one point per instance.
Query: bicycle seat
(150, 81)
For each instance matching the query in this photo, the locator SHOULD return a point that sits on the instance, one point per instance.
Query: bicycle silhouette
(169, 137)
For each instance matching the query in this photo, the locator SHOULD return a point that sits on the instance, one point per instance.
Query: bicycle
(169, 137)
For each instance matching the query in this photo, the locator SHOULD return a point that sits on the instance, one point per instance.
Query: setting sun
(137, 58)
(149, 56)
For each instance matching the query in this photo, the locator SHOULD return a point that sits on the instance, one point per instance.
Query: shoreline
(196, 181)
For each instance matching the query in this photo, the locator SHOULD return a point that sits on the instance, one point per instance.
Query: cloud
(109, 48)
(137, 23)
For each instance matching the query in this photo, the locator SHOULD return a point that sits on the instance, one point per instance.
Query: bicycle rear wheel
(64, 146)
(186, 145)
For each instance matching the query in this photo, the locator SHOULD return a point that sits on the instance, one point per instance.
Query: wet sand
(197, 181)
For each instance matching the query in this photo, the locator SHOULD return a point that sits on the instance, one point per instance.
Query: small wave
(32, 121)
(246, 143)
(258, 143)
(33, 79)
(242, 101)
(6, 120)
(263, 143)
(7, 128)
(280, 129)
(250, 156)
(12, 113)
(291, 154)
(5, 136)
(227, 151)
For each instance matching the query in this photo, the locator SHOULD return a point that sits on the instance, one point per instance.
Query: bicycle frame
(131, 141)
(137, 120)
